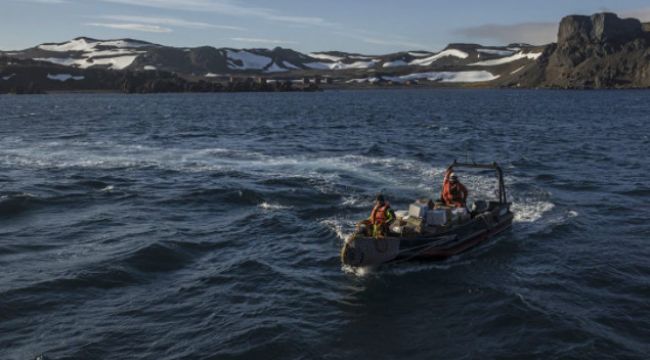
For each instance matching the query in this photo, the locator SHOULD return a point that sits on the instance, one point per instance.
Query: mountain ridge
(598, 51)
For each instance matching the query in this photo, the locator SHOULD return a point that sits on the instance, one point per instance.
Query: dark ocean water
(209, 226)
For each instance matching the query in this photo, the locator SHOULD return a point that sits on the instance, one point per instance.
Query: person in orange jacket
(381, 216)
(453, 192)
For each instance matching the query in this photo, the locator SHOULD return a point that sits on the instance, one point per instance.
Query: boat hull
(369, 251)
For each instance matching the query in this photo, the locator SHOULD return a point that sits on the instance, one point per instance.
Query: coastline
(329, 88)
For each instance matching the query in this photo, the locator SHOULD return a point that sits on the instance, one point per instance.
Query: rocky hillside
(601, 51)
(26, 76)
(598, 51)
(129, 54)
(457, 63)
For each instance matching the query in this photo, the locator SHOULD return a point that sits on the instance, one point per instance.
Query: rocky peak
(598, 28)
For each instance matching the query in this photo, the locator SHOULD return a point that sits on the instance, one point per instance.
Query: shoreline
(327, 89)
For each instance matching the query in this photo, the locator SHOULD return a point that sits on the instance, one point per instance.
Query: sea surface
(208, 226)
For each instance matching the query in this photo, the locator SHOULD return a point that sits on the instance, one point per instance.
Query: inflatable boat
(411, 238)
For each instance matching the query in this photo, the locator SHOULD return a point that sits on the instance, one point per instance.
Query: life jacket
(454, 194)
(379, 214)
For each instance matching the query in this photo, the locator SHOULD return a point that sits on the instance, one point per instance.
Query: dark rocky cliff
(598, 51)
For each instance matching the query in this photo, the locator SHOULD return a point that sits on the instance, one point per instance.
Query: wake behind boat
(428, 230)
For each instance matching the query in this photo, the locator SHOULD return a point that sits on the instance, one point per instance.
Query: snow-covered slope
(435, 76)
(112, 62)
(339, 65)
(431, 59)
(508, 59)
(245, 60)
(89, 45)
(86, 52)
(455, 63)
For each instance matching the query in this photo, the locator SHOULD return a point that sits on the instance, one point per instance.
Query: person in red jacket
(453, 192)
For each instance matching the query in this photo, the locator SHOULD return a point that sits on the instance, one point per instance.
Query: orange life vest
(379, 214)
(454, 194)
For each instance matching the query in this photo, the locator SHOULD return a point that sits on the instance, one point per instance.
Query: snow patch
(342, 66)
(517, 70)
(331, 58)
(248, 59)
(110, 53)
(8, 77)
(509, 59)
(211, 75)
(86, 46)
(62, 61)
(275, 68)
(395, 63)
(360, 57)
(318, 66)
(73, 45)
(150, 68)
(419, 53)
(123, 43)
(441, 76)
(370, 80)
(431, 59)
(495, 52)
(64, 77)
(357, 65)
(118, 58)
(114, 63)
(289, 65)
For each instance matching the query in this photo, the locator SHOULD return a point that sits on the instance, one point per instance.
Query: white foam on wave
(411, 267)
(22, 194)
(351, 200)
(269, 206)
(342, 228)
(531, 211)
(108, 188)
(415, 267)
(361, 271)
(108, 154)
(384, 172)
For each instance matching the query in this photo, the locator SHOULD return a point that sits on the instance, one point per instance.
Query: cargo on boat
(427, 232)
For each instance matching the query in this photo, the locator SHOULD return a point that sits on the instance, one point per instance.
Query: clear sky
(367, 26)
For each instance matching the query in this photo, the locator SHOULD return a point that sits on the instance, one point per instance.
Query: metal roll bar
(494, 166)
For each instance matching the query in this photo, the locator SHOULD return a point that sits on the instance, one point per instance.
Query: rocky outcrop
(599, 28)
(598, 51)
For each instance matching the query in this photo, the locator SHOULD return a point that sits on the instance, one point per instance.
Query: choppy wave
(14, 204)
